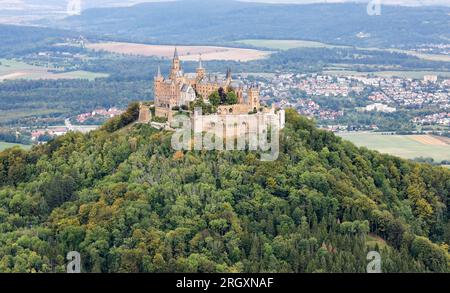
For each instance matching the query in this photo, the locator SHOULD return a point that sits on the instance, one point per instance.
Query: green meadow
(13, 69)
(286, 44)
(6, 145)
(403, 146)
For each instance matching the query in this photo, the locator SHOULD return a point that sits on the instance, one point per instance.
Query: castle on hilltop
(180, 91)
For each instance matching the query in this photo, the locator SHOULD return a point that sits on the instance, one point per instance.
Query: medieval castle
(180, 90)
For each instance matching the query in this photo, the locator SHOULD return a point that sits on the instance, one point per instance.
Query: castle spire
(200, 63)
(201, 72)
(228, 73)
(158, 74)
(175, 54)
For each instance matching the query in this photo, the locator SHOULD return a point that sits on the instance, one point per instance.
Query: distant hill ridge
(221, 21)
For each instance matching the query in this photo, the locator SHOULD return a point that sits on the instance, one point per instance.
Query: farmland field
(286, 44)
(12, 69)
(5, 145)
(292, 44)
(404, 146)
(187, 53)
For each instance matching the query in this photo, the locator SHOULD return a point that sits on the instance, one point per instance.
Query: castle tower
(145, 116)
(176, 65)
(228, 77)
(201, 72)
(240, 94)
(253, 97)
(159, 79)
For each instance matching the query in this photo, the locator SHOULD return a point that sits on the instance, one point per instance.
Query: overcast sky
(20, 4)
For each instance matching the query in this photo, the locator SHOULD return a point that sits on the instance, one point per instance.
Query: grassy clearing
(429, 57)
(404, 146)
(286, 44)
(6, 116)
(7, 145)
(12, 69)
(372, 240)
(79, 75)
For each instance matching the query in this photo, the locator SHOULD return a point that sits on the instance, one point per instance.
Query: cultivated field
(286, 44)
(187, 53)
(11, 69)
(404, 146)
(291, 44)
(429, 140)
(6, 145)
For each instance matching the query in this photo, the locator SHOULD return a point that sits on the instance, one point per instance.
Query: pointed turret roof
(158, 74)
(175, 54)
(228, 72)
(200, 63)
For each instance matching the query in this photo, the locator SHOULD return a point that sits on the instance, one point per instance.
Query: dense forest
(24, 102)
(129, 203)
(315, 59)
(126, 67)
(22, 40)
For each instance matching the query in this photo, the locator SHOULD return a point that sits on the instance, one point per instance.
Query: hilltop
(129, 203)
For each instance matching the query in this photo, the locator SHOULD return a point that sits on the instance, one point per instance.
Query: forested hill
(219, 21)
(21, 40)
(128, 203)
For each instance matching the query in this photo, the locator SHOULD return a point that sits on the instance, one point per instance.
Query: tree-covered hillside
(129, 203)
(219, 21)
(20, 40)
